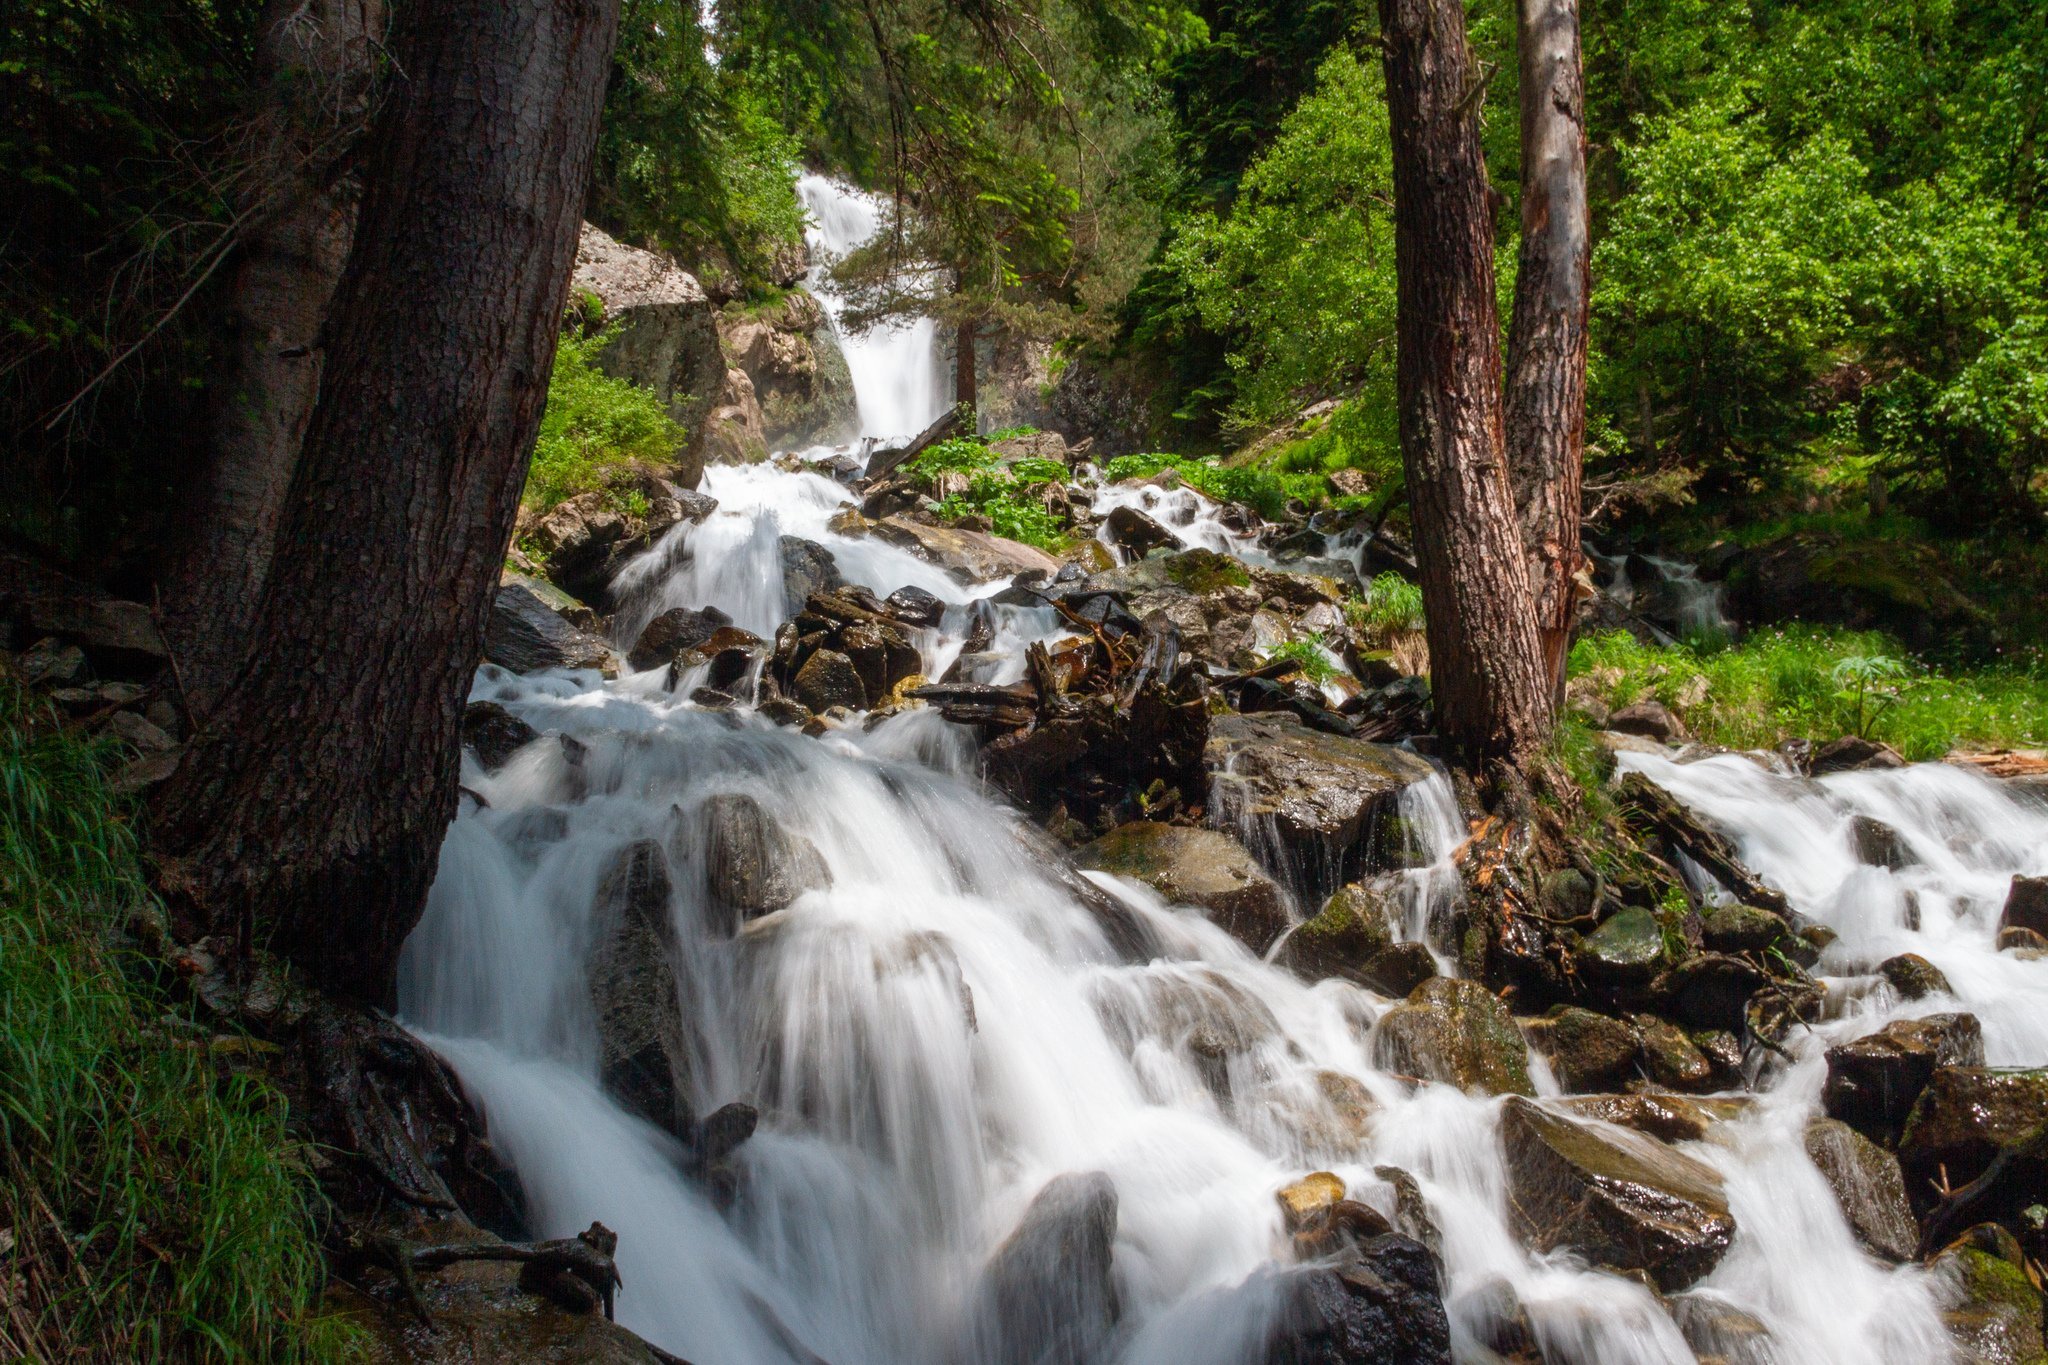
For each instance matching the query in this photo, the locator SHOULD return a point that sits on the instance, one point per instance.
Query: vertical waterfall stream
(940, 1025)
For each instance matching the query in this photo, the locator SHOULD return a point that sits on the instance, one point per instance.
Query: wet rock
(1650, 719)
(526, 635)
(1412, 1217)
(1738, 928)
(728, 656)
(52, 663)
(1714, 991)
(827, 679)
(752, 865)
(1878, 844)
(1868, 1185)
(1493, 1313)
(1196, 867)
(494, 734)
(2026, 905)
(1313, 795)
(139, 733)
(1137, 533)
(478, 1313)
(1997, 1314)
(1309, 1200)
(1852, 753)
(1914, 977)
(2018, 941)
(807, 567)
(1587, 1051)
(1380, 1306)
(882, 655)
(672, 632)
(915, 607)
(1671, 1058)
(969, 556)
(1874, 1081)
(1049, 1295)
(644, 1055)
(1722, 1334)
(1456, 1032)
(1668, 1118)
(1619, 1199)
(1626, 950)
(1398, 968)
(116, 636)
(1349, 930)
(1968, 1119)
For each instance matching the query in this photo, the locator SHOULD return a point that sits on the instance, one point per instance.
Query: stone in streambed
(1199, 867)
(1380, 1305)
(672, 632)
(1874, 1080)
(1914, 977)
(828, 679)
(1671, 1058)
(1650, 719)
(1138, 533)
(526, 635)
(1397, 969)
(644, 1055)
(1587, 1051)
(1621, 1200)
(494, 734)
(2026, 905)
(807, 568)
(1738, 928)
(1668, 1118)
(1309, 1199)
(1878, 844)
(1351, 927)
(1456, 1032)
(1049, 1294)
(1996, 1317)
(1626, 950)
(1869, 1187)
(1722, 1334)
(1967, 1118)
(752, 865)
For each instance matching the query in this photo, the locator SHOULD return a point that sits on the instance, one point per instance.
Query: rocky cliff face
(668, 334)
(801, 384)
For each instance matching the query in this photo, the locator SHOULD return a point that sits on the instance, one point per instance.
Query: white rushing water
(897, 377)
(946, 1026)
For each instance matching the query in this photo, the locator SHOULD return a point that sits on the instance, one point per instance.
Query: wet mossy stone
(1997, 1313)
(1740, 928)
(1626, 950)
(1201, 867)
(1456, 1032)
(1398, 968)
(1671, 1058)
(1874, 1081)
(1588, 1051)
(1966, 1118)
(1620, 1199)
(1344, 935)
(1914, 977)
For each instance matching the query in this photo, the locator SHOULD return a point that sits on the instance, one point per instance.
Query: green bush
(1816, 683)
(594, 426)
(1306, 655)
(161, 1207)
(1265, 489)
(1391, 606)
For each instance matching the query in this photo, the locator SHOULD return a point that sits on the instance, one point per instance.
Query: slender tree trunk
(965, 389)
(1487, 678)
(310, 810)
(1546, 377)
(317, 59)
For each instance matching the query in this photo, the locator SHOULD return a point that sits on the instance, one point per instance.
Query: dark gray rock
(1868, 1185)
(1048, 1296)
(914, 606)
(1873, 1081)
(1398, 969)
(1852, 753)
(1137, 533)
(526, 635)
(807, 567)
(675, 630)
(494, 734)
(751, 864)
(1382, 1305)
(634, 990)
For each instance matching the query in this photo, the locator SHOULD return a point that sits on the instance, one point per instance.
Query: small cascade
(897, 378)
(1196, 522)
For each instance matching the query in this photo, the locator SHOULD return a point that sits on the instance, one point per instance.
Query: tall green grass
(594, 426)
(158, 1208)
(1817, 683)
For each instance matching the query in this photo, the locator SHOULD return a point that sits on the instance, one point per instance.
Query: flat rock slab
(969, 556)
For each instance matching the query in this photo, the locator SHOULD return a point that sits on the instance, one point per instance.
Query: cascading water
(939, 1022)
(895, 368)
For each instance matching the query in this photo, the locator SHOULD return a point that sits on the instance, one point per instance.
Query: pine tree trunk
(310, 810)
(1546, 376)
(965, 389)
(1487, 678)
(317, 62)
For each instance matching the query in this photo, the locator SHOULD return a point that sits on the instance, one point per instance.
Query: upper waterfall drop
(897, 378)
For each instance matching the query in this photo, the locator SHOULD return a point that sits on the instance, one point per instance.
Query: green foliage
(1264, 489)
(1308, 656)
(1807, 682)
(594, 427)
(1038, 469)
(994, 490)
(960, 455)
(153, 1188)
(1391, 606)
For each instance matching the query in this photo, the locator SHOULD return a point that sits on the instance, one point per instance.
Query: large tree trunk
(317, 61)
(1487, 677)
(311, 808)
(1546, 379)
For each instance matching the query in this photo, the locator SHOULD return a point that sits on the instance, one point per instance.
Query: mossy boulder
(1456, 1032)
(1200, 867)
(1345, 934)
(1628, 949)
(1965, 1118)
(1996, 1317)
(1869, 1187)
(1672, 1058)
(1738, 928)
(1914, 977)
(1587, 1051)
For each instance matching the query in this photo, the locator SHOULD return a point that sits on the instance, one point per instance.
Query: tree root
(576, 1273)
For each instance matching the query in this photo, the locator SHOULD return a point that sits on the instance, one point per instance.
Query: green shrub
(1391, 606)
(594, 426)
(960, 455)
(1307, 655)
(1817, 683)
(156, 1198)
(1264, 489)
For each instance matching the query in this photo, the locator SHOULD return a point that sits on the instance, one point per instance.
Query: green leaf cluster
(595, 426)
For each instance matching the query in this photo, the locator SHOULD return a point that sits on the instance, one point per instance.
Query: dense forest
(1024, 681)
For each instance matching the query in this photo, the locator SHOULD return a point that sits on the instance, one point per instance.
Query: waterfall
(896, 371)
(935, 1024)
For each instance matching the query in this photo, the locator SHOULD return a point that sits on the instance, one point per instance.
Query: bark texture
(318, 64)
(1486, 671)
(965, 388)
(1546, 377)
(309, 812)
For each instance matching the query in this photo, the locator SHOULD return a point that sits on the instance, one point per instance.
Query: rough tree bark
(1546, 375)
(965, 389)
(1487, 677)
(309, 811)
(317, 63)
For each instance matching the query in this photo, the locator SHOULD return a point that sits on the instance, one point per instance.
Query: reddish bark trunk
(1487, 677)
(312, 806)
(1546, 376)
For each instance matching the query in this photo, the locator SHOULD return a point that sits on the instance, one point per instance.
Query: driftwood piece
(578, 1273)
(1648, 807)
(952, 422)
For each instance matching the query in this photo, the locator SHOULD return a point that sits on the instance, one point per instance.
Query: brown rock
(1196, 867)
(1873, 1081)
(1868, 1185)
(1456, 1032)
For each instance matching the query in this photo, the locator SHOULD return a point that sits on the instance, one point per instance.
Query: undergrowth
(1818, 683)
(1265, 489)
(595, 426)
(157, 1207)
(1004, 493)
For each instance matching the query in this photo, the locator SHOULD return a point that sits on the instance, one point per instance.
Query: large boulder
(644, 1054)
(119, 637)
(751, 864)
(1353, 926)
(1380, 1305)
(1588, 1052)
(667, 337)
(735, 432)
(1969, 1117)
(1618, 1198)
(1457, 1032)
(1873, 1081)
(1869, 1187)
(1048, 1296)
(1310, 797)
(969, 556)
(526, 635)
(807, 568)
(1196, 867)
(798, 371)
(672, 632)
(1996, 1314)
(585, 541)
(2026, 905)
